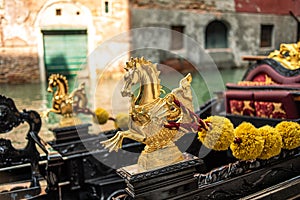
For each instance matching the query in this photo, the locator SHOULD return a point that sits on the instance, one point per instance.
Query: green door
(65, 51)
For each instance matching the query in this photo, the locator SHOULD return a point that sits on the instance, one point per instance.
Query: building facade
(226, 30)
(41, 37)
(45, 36)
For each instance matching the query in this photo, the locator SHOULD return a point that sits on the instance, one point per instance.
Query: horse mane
(142, 62)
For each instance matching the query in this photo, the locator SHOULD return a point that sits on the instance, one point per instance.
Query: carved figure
(157, 122)
(288, 55)
(61, 101)
(80, 101)
(64, 103)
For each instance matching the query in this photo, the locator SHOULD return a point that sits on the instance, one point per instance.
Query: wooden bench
(253, 58)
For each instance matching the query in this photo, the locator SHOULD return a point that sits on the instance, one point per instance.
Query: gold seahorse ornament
(154, 121)
(65, 104)
(288, 55)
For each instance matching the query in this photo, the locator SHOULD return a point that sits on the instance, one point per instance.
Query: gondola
(76, 167)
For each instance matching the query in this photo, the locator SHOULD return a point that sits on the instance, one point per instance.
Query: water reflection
(106, 94)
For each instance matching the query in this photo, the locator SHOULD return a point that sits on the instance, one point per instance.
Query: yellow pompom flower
(101, 116)
(121, 121)
(247, 144)
(273, 142)
(220, 134)
(290, 133)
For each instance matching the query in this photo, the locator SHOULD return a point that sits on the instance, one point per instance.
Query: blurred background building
(38, 38)
(54, 36)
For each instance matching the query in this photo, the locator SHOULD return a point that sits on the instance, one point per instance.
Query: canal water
(105, 93)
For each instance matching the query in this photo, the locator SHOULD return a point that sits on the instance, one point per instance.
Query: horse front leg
(115, 143)
(46, 113)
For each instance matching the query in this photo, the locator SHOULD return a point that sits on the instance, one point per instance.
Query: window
(216, 35)
(106, 6)
(266, 32)
(177, 37)
(58, 12)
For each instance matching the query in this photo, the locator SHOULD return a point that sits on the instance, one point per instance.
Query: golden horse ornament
(64, 103)
(288, 55)
(154, 121)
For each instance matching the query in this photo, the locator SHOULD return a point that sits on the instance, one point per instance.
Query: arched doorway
(64, 31)
(216, 35)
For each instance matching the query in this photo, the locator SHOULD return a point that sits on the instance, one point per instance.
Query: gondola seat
(269, 104)
(267, 90)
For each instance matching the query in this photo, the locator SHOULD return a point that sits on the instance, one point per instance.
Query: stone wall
(191, 5)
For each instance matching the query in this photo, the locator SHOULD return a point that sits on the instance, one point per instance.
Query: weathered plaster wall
(278, 7)
(19, 65)
(244, 29)
(21, 47)
(18, 54)
(192, 5)
(248, 34)
(21, 21)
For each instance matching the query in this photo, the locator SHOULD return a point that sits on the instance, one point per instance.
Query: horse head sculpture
(157, 122)
(64, 103)
(288, 55)
(61, 102)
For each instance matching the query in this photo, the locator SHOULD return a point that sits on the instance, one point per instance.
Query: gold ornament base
(160, 158)
(156, 183)
(69, 121)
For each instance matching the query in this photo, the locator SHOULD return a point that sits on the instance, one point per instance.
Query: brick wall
(19, 65)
